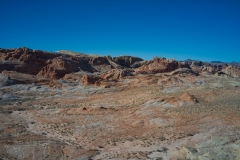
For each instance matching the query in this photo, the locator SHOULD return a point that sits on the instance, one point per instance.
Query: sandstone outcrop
(184, 72)
(209, 69)
(55, 84)
(183, 100)
(58, 67)
(138, 64)
(24, 60)
(232, 71)
(90, 79)
(197, 66)
(50, 66)
(76, 76)
(113, 75)
(99, 61)
(160, 65)
(116, 74)
(126, 61)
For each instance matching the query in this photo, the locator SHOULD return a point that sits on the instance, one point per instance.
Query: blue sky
(197, 29)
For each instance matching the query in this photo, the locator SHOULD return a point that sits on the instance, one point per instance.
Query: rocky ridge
(92, 69)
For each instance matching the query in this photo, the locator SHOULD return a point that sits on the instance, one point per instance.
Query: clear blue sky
(197, 29)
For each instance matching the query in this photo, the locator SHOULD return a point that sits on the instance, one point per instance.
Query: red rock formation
(209, 68)
(51, 66)
(232, 71)
(113, 75)
(126, 61)
(160, 65)
(58, 67)
(24, 60)
(116, 74)
(90, 79)
(55, 84)
(74, 76)
(99, 61)
(47, 64)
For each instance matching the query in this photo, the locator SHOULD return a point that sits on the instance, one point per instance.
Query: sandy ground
(142, 117)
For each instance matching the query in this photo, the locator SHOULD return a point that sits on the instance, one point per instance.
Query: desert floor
(137, 118)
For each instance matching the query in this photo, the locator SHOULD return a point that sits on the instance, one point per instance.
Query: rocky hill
(48, 66)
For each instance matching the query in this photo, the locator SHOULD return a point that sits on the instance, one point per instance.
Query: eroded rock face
(50, 66)
(90, 79)
(126, 61)
(184, 72)
(209, 69)
(54, 83)
(199, 67)
(74, 76)
(99, 61)
(113, 75)
(232, 71)
(160, 65)
(116, 74)
(24, 60)
(58, 67)
(138, 64)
